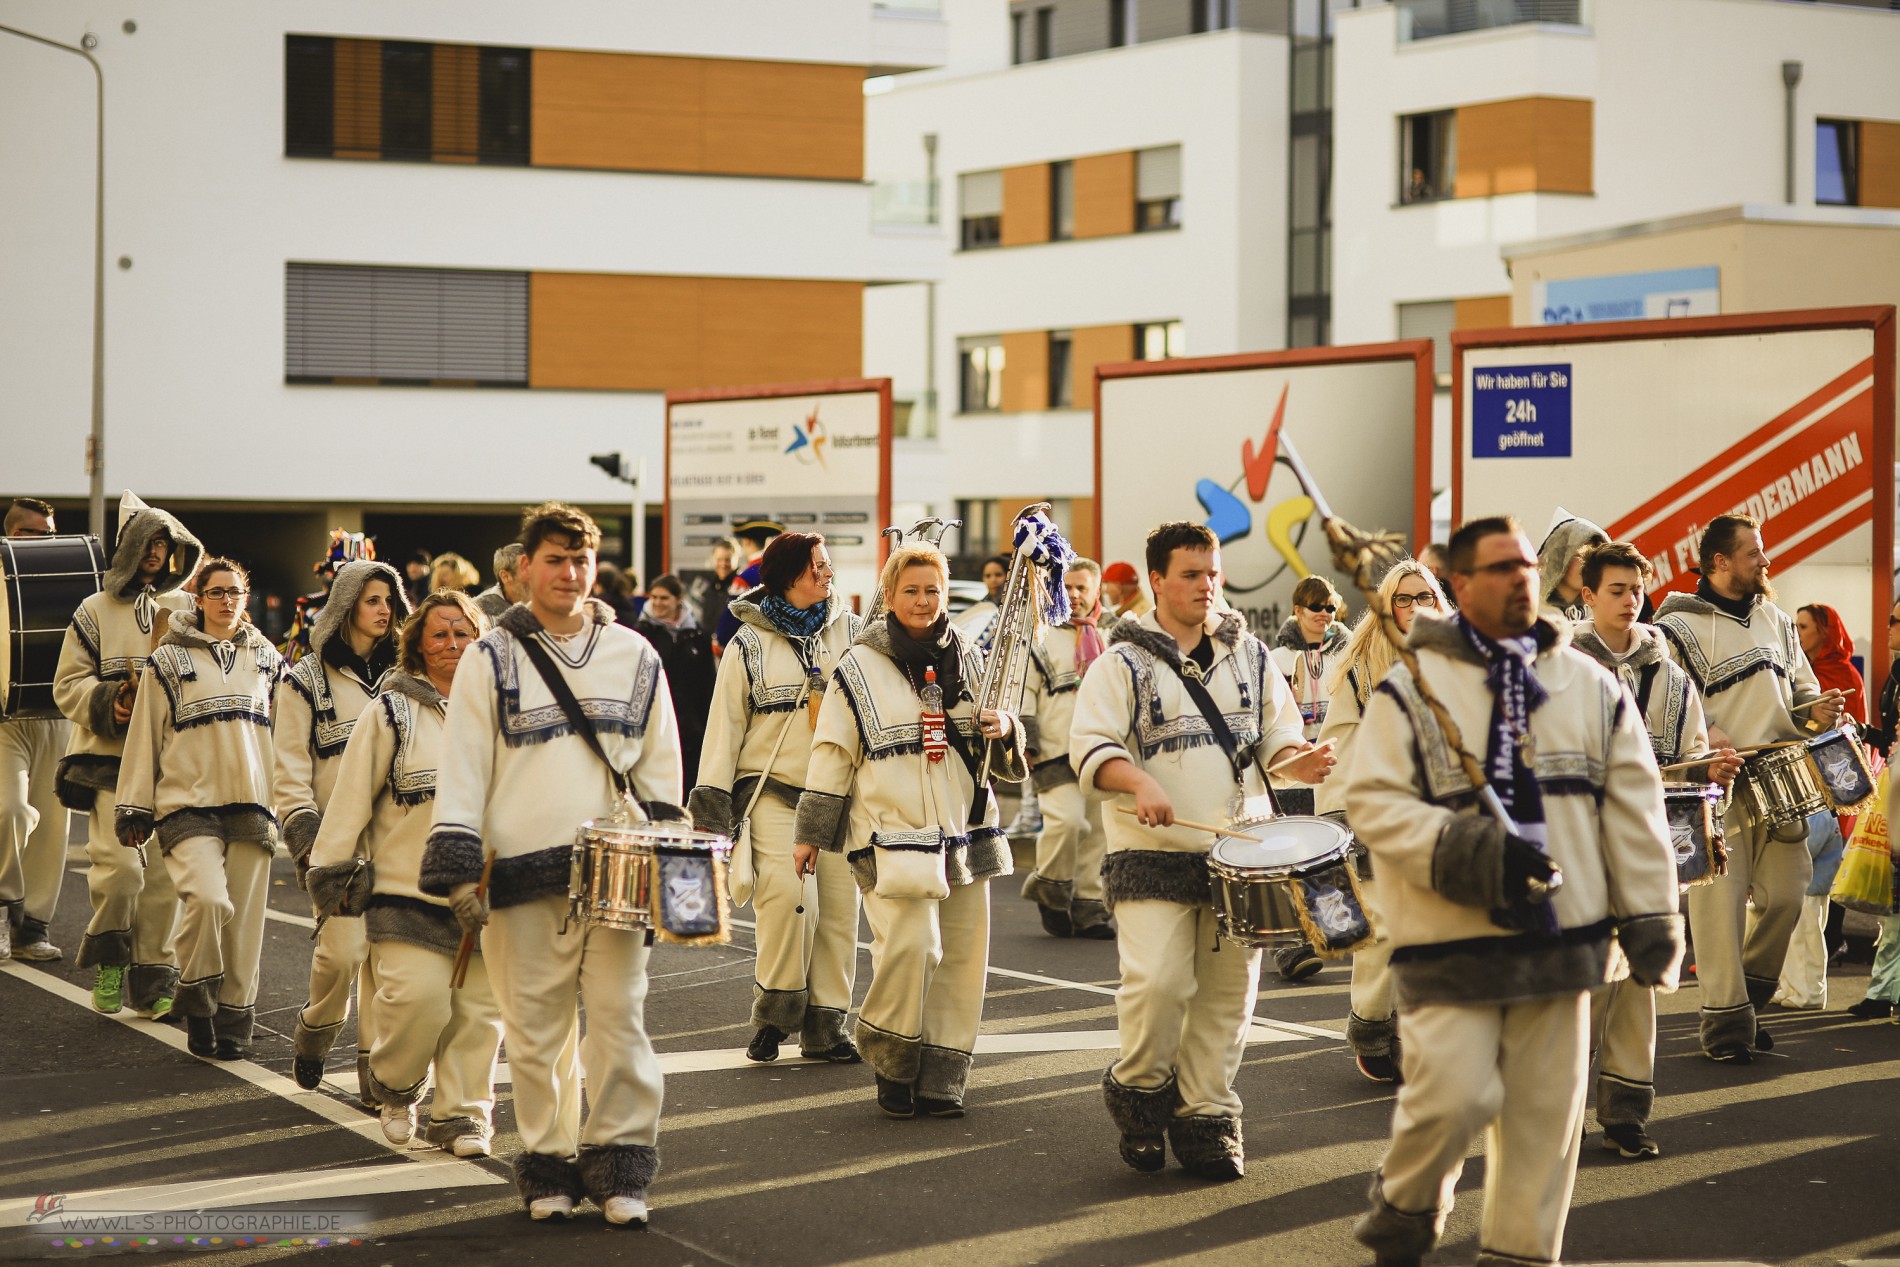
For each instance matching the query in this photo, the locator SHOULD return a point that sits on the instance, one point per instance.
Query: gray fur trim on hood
(420, 689)
(746, 610)
(520, 621)
(1646, 646)
(1146, 633)
(1292, 639)
(1441, 634)
(135, 534)
(183, 631)
(347, 588)
(1568, 534)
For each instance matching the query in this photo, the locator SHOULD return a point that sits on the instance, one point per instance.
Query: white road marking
(374, 1179)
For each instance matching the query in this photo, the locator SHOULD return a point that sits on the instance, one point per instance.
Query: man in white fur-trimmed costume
(515, 781)
(101, 670)
(1140, 738)
(352, 645)
(1499, 936)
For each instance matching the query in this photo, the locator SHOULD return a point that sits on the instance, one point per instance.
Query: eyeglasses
(1503, 567)
(222, 594)
(1892, 621)
(1328, 608)
(1402, 601)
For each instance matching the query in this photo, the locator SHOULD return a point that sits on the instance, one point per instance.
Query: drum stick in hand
(1835, 694)
(1180, 822)
(1278, 766)
(467, 948)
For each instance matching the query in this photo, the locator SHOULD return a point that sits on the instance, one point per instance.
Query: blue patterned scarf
(1515, 695)
(794, 622)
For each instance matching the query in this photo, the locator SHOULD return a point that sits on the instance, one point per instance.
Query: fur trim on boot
(823, 1030)
(1728, 1030)
(891, 1055)
(307, 1043)
(1497, 1258)
(1057, 895)
(618, 1170)
(1088, 913)
(943, 1073)
(540, 1175)
(783, 1010)
(1208, 1144)
(386, 1094)
(112, 949)
(198, 998)
(1392, 1233)
(1139, 1112)
(147, 983)
(1621, 1102)
(1371, 1038)
(444, 1133)
(234, 1024)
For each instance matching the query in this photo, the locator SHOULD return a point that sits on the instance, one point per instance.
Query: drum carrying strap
(1223, 734)
(1645, 682)
(576, 716)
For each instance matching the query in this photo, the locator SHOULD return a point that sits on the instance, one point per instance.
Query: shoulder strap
(765, 774)
(1645, 682)
(1223, 734)
(576, 716)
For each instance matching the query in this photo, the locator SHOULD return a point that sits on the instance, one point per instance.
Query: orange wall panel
(1525, 145)
(357, 118)
(455, 107)
(1090, 346)
(763, 331)
(1025, 371)
(784, 119)
(1025, 206)
(1481, 312)
(1105, 195)
(1879, 164)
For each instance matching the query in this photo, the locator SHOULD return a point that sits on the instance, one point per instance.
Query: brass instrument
(1006, 670)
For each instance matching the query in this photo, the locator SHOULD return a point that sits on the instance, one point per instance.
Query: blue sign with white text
(1520, 411)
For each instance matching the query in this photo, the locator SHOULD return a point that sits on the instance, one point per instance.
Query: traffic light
(612, 463)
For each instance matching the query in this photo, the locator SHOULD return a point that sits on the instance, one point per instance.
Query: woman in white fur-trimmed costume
(380, 803)
(1372, 1024)
(197, 776)
(515, 781)
(793, 628)
(922, 858)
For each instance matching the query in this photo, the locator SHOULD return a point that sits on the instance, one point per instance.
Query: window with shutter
(430, 326)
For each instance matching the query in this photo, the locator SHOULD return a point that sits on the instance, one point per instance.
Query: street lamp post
(96, 442)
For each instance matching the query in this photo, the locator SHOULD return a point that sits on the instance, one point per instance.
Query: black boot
(764, 1045)
(201, 1039)
(895, 1098)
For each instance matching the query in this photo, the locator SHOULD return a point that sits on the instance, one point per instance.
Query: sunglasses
(1328, 608)
(1402, 601)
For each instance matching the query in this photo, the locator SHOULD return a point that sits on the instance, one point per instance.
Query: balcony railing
(904, 202)
(1429, 19)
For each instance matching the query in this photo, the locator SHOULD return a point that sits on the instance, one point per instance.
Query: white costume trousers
(1072, 842)
(32, 821)
(1742, 921)
(221, 900)
(929, 963)
(340, 962)
(1623, 1035)
(134, 908)
(426, 1024)
(813, 954)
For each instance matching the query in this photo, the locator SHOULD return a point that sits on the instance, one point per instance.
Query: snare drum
(1693, 824)
(1841, 769)
(660, 876)
(1779, 788)
(42, 582)
(1289, 879)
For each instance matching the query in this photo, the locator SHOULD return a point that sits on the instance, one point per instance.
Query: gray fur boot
(618, 1170)
(540, 1175)
(1208, 1146)
(891, 1055)
(1392, 1233)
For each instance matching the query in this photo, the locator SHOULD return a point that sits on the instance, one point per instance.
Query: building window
(1837, 162)
(980, 210)
(1158, 188)
(1121, 26)
(1016, 50)
(1045, 34)
(1210, 15)
(1159, 341)
(1428, 156)
(427, 326)
(1060, 346)
(404, 101)
(1061, 201)
(980, 368)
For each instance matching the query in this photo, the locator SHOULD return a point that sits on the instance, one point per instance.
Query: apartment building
(404, 268)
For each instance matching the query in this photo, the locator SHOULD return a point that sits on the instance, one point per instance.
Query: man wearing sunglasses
(1500, 931)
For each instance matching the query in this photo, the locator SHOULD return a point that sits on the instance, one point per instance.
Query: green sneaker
(108, 989)
(160, 1010)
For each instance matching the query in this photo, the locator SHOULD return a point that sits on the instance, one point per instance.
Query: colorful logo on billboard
(808, 440)
(1231, 519)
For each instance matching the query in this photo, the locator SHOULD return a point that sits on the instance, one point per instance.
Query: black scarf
(937, 649)
(339, 654)
(1740, 608)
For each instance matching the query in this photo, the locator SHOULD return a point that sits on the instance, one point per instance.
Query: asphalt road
(1790, 1160)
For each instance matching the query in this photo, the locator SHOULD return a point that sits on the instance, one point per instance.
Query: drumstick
(1835, 694)
(467, 948)
(1182, 822)
(1277, 766)
(1692, 762)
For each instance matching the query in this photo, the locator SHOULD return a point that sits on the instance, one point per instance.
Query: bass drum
(42, 582)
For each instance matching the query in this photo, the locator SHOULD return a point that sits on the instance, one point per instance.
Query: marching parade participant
(129, 941)
(793, 629)
(352, 645)
(1122, 592)
(32, 812)
(374, 830)
(1560, 563)
(506, 591)
(756, 534)
(1066, 885)
(1623, 1014)
(557, 717)
(1308, 646)
(196, 780)
(1500, 933)
(1742, 653)
(1408, 588)
(1179, 720)
(893, 780)
(979, 618)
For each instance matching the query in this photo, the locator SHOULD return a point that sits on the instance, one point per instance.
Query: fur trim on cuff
(822, 1030)
(452, 857)
(986, 856)
(81, 776)
(783, 1010)
(444, 1132)
(1371, 1038)
(819, 820)
(99, 718)
(527, 876)
(943, 1073)
(1654, 946)
(198, 998)
(890, 1055)
(665, 812)
(863, 864)
(1494, 970)
(234, 1023)
(1728, 1028)
(1088, 913)
(313, 1043)
(618, 1170)
(386, 1094)
(1155, 875)
(341, 889)
(109, 949)
(1009, 763)
(1760, 989)
(1032, 733)
(1137, 1112)
(300, 832)
(233, 824)
(147, 983)
(1057, 895)
(128, 822)
(1624, 1103)
(711, 809)
(1205, 1138)
(1468, 862)
(1393, 1233)
(1052, 774)
(540, 1175)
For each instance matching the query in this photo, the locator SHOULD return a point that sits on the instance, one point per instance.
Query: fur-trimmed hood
(747, 610)
(1225, 627)
(347, 588)
(876, 635)
(416, 687)
(1291, 639)
(1441, 634)
(1646, 646)
(1682, 604)
(183, 631)
(519, 620)
(136, 531)
(1568, 534)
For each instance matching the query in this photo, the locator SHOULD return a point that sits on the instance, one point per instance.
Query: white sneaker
(626, 1211)
(543, 1208)
(471, 1146)
(41, 951)
(399, 1122)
